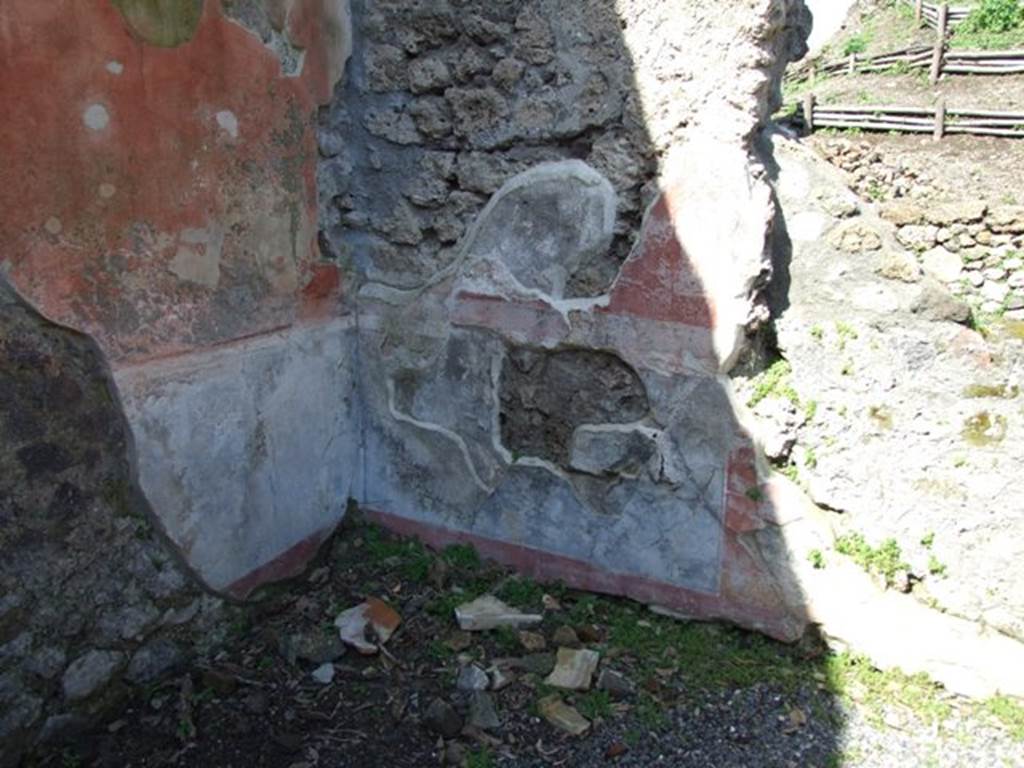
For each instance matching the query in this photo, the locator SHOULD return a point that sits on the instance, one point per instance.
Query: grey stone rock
(46, 662)
(508, 72)
(18, 714)
(324, 674)
(934, 302)
(994, 291)
(428, 74)
(126, 623)
(393, 124)
(472, 678)
(62, 729)
(386, 68)
(476, 111)
(942, 264)
(618, 685)
(316, 647)
(90, 672)
(536, 663)
(153, 661)
(918, 237)
(898, 265)
(442, 719)
(431, 116)
(482, 712)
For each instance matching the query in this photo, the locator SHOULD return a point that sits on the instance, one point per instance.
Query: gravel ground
(699, 695)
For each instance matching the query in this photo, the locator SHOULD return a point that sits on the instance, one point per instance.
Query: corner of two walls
(270, 368)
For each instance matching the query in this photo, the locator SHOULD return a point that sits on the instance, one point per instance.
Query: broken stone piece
(482, 713)
(355, 623)
(442, 719)
(488, 612)
(574, 669)
(472, 678)
(617, 685)
(500, 677)
(324, 674)
(565, 637)
(90, 672)
(537, 663)
(562, 716)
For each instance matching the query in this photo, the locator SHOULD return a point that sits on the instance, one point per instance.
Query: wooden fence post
(940, 43)
(940, 118)
(918, 11)
(852, 66)
(809, 112)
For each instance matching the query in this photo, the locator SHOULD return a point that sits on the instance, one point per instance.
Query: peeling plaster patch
(53, 225)
(115, 67)
(96, 117)
(226, 119)
(198, 257)
(107, 191)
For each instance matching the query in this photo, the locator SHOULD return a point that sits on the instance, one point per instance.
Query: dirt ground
(690, 694)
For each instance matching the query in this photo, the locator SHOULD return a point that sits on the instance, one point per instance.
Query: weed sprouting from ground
(886, 559)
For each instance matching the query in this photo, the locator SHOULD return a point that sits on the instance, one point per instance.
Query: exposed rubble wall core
(485, 277)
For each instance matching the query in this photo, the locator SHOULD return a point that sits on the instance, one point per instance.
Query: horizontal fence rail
(939, 121)
(930, 13)
(937, 58)
(952, 62)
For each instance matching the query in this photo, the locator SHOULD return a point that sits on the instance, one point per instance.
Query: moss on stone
(163, 23)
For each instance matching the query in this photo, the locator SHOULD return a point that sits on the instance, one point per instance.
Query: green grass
(854, 676)
(461, 556)
(774, 382)
(706, 656)
(994, 24)
(1009, 712)
(1004, 391)
(412, 558)
(480, 758)
(816, 559)
(519, 592)
(856, 43)
(595, 704)
(886, 559)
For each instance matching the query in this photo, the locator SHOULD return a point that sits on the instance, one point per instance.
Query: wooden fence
(930, 13)
(952, 62)
(937, 58)
(938, 121)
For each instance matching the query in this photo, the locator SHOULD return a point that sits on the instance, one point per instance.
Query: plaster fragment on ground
(356, 624)
(574, 669)
(488, 612)
(562, 716)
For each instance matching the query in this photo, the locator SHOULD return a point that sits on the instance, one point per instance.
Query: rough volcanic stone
(90, 672)
(546, 396)
(153, 661)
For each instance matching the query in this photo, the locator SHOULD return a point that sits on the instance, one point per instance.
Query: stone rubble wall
(975, 248)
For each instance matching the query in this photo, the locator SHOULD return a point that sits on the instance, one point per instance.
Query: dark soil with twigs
(696, 694)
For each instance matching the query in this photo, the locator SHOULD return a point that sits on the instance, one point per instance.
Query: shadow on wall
(542, 375)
